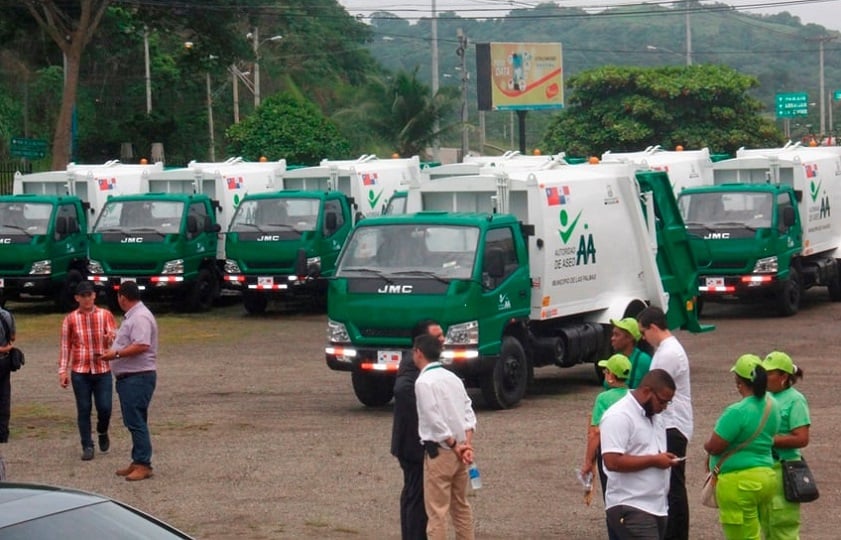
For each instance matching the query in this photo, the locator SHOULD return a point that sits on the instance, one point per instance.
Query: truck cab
(165, 242)
(284, 245)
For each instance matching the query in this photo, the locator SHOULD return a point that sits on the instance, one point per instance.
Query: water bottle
(475, 479)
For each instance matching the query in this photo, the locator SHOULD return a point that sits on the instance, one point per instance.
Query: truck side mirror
(494, 262)
(330, 222)
(788, 216)
(212, 227)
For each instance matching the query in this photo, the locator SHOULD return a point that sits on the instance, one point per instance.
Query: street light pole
(821, 40)
(210, 118)
(435, 75)
(688, 37)
(148, 69)
(255, 41)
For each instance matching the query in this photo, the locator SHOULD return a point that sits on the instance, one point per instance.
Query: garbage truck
(283, 245)
(44, 227)
(765, 231)
(522, 269)
(686, 168)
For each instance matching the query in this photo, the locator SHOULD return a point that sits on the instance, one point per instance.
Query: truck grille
(7, 267)
(268, 265)
(721, 265)
(386, 332)
(133, 266)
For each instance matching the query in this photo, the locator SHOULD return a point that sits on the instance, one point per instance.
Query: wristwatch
(116, 354)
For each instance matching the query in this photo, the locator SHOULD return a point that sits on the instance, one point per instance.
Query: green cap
(745, 366)
(630, 325)
(618, 364)
(778, 360)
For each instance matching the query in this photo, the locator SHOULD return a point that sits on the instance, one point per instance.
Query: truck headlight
(313, 265)
(337, 332)
(463, 334)
(40, 268)
(175, 266)
(231, 267)
(95, 267)
(766, 265)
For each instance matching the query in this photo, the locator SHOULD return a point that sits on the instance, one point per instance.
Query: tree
(627, 109)
(287, 126)
(71, 26)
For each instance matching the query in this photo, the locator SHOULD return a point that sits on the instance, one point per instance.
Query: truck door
(789, 237)
(506, 289)
(334, 237)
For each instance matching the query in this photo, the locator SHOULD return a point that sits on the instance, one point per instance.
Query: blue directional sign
(791, 105)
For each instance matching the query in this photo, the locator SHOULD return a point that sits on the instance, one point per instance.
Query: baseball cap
(618, 364)
(778, 360)
(84, 287)
(630, 325)
(745, 366)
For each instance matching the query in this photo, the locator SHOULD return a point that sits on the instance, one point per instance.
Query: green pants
(743, 496)
(783, 522)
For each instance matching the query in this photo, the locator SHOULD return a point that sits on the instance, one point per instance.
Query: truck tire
(255, 303)
(505, 385)
(201, 295)
(66, 296)
(789, 294)
(372, 390)
(834, 286)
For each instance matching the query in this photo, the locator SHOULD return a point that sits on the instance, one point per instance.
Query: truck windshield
(276, 214)
(726, 208)
(163, 217)
(444, 251)
(28, 218)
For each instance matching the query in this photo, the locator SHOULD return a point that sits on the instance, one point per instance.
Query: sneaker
(87, 453)
(104, 442)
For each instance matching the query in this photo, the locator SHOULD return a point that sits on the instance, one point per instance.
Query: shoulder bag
(798, 483)
(708, 489)
(15, 356)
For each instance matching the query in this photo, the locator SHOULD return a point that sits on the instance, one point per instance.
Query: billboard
(519, 76)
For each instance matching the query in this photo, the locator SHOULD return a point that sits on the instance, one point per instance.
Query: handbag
(798, 482)
(15, 356)
(708, 489)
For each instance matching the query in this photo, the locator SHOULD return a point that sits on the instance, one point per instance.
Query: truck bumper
(387, 362)
(34, 285)
(745, 286)
(153, 285)
(276, 284)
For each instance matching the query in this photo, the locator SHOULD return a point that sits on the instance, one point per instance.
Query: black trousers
(412, 510)
(629, 523)
(678, 525)
(5, 403)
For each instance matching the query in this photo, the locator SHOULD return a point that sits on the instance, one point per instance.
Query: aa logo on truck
(586, 252)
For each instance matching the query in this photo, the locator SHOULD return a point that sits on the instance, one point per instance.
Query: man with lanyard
(445, 425)
(133, 360)
(670, 356)
(624, 339)
(86, 333)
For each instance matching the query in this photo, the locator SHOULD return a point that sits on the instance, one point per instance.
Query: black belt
(122, 376)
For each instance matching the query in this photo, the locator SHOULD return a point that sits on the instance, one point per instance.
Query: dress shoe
(104, 442)
(127, 470)
(87, 453)
(140, 472)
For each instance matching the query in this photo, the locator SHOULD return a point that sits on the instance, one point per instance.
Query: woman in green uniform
(783, 522)
(741, 442)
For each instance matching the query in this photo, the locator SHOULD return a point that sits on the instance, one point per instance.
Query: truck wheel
(200, 297)
(65, 298)
(834, 286)
(506, 384)
(372, 390)
(255, 303)
(788, 297)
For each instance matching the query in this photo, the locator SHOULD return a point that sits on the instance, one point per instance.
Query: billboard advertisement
(519, 76)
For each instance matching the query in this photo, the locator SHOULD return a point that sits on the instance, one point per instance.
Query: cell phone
(680, 459)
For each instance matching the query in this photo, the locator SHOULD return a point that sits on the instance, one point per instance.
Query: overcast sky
(823, 12)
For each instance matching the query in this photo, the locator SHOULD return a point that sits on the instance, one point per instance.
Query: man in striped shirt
(86, 333)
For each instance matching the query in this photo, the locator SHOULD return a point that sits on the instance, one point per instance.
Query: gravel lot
(254, 437)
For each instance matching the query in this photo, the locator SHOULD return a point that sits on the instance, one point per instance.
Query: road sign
(28, 148)
(791, 105)
(837, 95)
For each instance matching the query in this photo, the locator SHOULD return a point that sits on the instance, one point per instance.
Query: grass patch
(39, 421)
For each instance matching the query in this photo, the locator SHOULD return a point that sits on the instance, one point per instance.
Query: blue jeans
(85, 387)
(135, 394)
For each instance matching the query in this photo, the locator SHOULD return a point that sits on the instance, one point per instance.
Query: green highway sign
(791, 105)
(837, 95)
(28, 148)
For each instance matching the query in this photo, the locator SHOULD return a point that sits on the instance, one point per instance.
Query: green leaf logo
(814, 190)
(373, 198)
(565, 231)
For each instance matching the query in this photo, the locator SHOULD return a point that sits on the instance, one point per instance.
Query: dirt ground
(254, 437)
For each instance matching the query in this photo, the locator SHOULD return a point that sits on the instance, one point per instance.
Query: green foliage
(627, 109)
(287, 127)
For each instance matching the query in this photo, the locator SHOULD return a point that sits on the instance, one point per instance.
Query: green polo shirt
(640, 364)
(737, 423)
(603, 402)
(794, 413)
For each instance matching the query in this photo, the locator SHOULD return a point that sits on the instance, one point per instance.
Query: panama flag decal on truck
(107, 184)
(556, 196)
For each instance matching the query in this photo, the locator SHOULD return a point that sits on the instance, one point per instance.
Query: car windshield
(102, 520)
(726, 208)
(444, 251)
(276, 214)
(29, 218)
(158, 216)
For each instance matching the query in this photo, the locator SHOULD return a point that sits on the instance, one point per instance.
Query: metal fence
(7, 174)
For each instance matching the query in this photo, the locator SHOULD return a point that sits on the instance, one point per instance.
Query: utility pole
(688, 37)
(210, 118)
(255, 36)
(148, 70)
(435, 153)
(462, 53)
(821, 40)
(235, 81)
